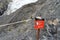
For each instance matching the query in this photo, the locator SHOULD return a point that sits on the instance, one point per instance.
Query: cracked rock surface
(48, 9)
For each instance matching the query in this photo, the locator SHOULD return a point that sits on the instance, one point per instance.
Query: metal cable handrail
(15, 22)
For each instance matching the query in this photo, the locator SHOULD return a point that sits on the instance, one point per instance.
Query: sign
(39, 24)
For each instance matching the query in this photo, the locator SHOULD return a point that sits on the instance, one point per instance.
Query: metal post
(56, 33)
(37, 34)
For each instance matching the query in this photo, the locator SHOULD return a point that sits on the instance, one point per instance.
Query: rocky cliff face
(3, 6)
(48, 9)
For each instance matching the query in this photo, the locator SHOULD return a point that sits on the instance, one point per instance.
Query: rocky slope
(48, 9)
(3, 6)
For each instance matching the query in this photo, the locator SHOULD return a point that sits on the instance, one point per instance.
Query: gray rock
(48, 9)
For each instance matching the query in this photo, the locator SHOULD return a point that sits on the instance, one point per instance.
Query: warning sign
(39, 24)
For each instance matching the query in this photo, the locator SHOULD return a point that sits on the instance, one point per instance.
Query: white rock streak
(16, 4)
(15, 22)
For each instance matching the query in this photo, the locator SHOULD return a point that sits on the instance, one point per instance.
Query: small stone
(56, 21)
(50, 22)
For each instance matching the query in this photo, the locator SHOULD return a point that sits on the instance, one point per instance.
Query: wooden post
(38, 34)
